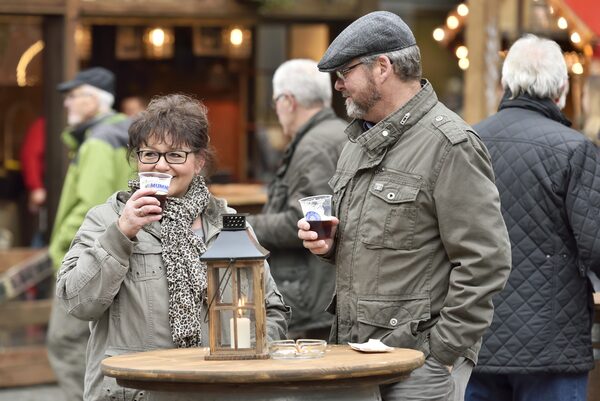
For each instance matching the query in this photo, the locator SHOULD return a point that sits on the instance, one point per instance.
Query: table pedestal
(234, 393)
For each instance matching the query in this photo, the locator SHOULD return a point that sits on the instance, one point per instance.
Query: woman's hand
(309, 238)
(140, 209)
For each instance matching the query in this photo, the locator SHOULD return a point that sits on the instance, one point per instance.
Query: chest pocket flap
(391, 211)
(146, 262)
(391, 192)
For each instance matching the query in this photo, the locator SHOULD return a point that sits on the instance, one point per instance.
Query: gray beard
(358, 109)
(353, 110)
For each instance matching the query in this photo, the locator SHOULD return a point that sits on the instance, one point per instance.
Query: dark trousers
(527, 387)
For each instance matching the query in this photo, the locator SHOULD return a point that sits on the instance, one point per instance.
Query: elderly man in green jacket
(96, 137)
(421, 246)
(302, 100)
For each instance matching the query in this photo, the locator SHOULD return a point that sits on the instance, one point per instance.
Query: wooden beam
(482, 76)
(32, 7)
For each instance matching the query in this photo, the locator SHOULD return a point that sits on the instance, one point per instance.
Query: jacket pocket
(147, 263)
(394, 321)
(338, 184)
(391, 211)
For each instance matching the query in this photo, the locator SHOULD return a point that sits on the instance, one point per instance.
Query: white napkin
(373, 345)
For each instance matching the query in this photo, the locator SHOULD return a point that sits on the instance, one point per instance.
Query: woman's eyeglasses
(173, 157)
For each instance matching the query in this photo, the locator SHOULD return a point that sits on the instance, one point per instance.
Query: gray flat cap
(374, 33)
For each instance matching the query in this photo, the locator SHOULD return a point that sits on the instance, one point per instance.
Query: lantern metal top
(235, 242)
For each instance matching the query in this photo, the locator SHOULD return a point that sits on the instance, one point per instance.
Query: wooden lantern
(236, 297)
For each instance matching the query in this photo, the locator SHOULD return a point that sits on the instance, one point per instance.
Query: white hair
(302, 79)
(536, 66)
(105, 99)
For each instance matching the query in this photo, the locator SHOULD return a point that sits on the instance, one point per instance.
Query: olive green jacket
(422, 246)
(309, 162)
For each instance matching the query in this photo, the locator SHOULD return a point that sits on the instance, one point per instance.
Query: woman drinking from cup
(133, 269)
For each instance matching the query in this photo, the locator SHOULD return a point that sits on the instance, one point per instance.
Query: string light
(575, 38)
(562, 23)
(439, 34)
(463, 63)
(462, 52)
(577, 68)
(452, 22)
(462, 10)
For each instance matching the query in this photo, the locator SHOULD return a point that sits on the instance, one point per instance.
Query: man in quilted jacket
(538, 346)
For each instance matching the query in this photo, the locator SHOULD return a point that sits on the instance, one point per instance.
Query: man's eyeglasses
(341, 74)
(173, 157)
(75, 95)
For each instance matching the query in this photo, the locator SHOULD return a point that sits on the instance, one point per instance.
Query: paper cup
(158, 181)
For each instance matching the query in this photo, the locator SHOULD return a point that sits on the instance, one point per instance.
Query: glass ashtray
(299, 349)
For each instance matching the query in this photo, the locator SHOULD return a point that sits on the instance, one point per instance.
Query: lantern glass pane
(245, 290)
(244, 324)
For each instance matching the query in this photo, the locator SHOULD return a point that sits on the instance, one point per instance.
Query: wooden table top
(187, 365)
(240, 194)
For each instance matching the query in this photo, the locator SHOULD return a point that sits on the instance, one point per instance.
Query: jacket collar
(546, 107)
(387, 132)
(73, 137)
(324, 114)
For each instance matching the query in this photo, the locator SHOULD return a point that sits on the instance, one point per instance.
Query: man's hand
(309, 238)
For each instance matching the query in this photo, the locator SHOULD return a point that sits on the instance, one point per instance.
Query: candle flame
(241, 303)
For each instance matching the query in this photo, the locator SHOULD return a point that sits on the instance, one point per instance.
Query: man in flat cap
(420, 246)
(97, 140)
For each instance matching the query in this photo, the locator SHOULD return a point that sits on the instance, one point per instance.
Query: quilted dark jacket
(549, 182)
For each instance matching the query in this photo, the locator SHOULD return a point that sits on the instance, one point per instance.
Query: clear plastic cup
(317, 212)
(158, 181)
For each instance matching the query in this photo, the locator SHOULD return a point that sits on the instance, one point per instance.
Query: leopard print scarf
(186, 274)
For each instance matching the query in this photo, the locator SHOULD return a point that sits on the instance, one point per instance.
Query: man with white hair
(97, 139)
(302, 99)
(538, 346)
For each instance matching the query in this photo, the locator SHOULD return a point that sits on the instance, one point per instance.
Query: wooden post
(482, 77)
(60, 64)
(56, 154)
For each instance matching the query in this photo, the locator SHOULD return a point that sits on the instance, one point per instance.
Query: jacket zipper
(404, 119)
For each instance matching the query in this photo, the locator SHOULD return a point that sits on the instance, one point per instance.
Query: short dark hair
(179, 118)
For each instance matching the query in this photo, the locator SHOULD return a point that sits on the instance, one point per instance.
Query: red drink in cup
(321, 227)
(158, 181)
(317, 212)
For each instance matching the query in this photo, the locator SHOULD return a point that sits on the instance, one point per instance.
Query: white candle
(243, 332)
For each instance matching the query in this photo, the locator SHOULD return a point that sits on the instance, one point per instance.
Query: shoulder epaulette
(451, 130)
